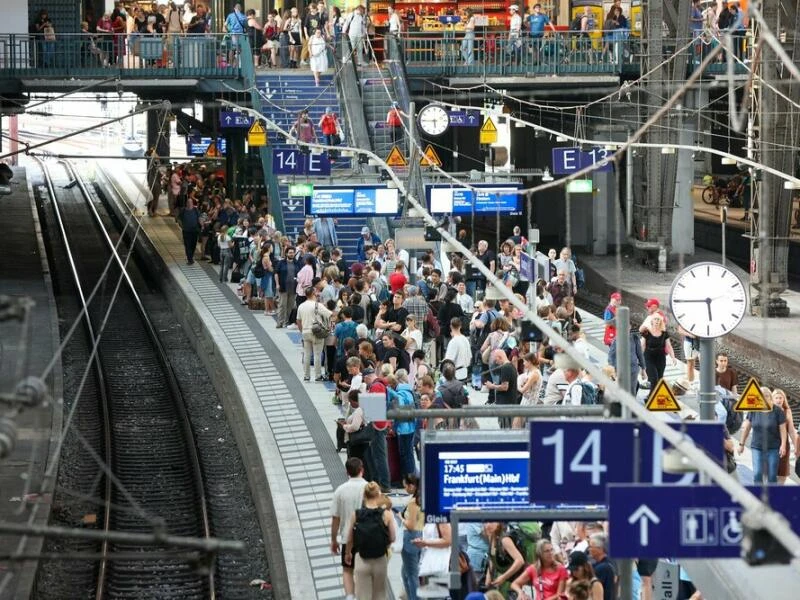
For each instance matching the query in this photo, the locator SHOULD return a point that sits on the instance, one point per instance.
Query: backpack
(454, 399)
(734, 419)
(524, 537)
(576, 23)
(430, 329)
(589, 393)
(370, 534)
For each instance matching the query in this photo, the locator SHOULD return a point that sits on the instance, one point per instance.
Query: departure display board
(485, 198)
(356, 200)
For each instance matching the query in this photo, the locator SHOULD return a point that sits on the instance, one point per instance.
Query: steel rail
(172, 382)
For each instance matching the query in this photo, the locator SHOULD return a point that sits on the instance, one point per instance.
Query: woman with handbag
(359, 431)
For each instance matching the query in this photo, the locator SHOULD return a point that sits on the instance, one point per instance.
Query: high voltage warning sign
(257, 135)
(396, 158)
(752, 399)
(212, 151)
(488, 133)
(662, 399)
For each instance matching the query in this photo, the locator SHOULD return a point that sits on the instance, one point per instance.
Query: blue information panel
(231, 119)
(685, 521)
(465, 118)
(486, 198)
(348, 201)
(574, 461)
(569, 160)
(197, 146)
(290, 161)
(463, 474)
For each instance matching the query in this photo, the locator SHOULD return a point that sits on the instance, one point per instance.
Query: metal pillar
(708, 397)
(623, 323)
(772, 204)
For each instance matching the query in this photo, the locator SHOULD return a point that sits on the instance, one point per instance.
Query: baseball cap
(615, 296)
(368, 371)
(364, 230)
(475, 596)
(577, 559)
(651, 302)
(514, 7)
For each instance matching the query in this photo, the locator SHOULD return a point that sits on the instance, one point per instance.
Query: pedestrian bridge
(202, 62)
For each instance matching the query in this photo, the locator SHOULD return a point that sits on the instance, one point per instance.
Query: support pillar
(683, 211)
(235, 162)
(158, 130)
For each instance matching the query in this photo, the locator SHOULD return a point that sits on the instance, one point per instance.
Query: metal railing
(126, 56)
(558, 53)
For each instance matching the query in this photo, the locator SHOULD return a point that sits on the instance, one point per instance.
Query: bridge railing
(127, 56)
(559, 53)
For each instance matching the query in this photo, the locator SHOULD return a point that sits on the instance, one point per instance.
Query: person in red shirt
(609, 317)
(329, 125)
(394, 121)
(398, 279)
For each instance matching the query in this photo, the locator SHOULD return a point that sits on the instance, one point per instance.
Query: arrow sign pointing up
(644, 515)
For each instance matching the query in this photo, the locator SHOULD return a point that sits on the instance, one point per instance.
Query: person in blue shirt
(399, 394)
(235, 24)
(537, 21)
(367, 238)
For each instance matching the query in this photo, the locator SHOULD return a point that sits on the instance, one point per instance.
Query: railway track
(153, 481)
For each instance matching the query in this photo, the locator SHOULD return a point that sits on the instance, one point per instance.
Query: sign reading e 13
(569, 160)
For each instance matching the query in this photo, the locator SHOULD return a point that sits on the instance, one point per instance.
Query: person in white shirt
(309, 312)
(459, 350)
(394, 21)
(464, 301)
(347, 498)
(574, 393)
(514, 33)
(355, 27)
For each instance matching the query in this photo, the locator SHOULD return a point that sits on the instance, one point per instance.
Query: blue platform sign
(570, 160)
(574, 461)
(362, 200)
(232, 120)
(485, 198)
(290, 161)
(459, 473)
(685, 521)
(465, 118)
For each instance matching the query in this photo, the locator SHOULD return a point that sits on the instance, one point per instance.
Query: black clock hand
(680, 300)
(708, 304)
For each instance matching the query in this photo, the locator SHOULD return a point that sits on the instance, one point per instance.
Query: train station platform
(762, 341)
(292, 423)
(25, 496)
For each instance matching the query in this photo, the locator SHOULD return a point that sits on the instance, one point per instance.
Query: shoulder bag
(365, 435)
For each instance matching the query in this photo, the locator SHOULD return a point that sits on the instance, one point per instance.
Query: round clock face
(708, 300)
(434, 120)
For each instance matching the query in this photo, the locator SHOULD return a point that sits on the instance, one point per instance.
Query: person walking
(468, 43)
(779, 399)
(318, 55)
(310, 314)
(303, 131)
(394, 121)
(190, 222)
(331, 132)
(355, 28)
(656, 349)
(770, 440)
(347, 498)
(372, 531)
(413, 524)
(225, 243)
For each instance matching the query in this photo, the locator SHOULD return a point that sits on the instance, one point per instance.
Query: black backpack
(734, 419)
(370, 535)
(576, 23)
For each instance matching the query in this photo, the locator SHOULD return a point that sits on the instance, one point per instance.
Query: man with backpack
(578, 392)
(347, 499)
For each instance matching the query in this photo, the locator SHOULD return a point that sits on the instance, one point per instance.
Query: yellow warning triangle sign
(430, 158)
(256, 129)
(752, 399)
(488, 126)
(212, 151)
(396, 158)
(662, 399)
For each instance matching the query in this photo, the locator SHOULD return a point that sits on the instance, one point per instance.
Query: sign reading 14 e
(573, 462)
(570, 160)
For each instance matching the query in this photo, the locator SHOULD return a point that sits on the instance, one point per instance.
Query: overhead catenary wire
(756, 510)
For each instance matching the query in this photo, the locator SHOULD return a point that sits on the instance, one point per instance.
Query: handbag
(487, 353)
(363, 436)
(319, 328)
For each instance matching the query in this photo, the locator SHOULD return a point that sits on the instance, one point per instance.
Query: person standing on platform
(609, 318)
(367, 238)
(286, 284)
(724, 375)
(656, 349)
(770, 440)
(504, 384)
(514, 49)
(308, 313)
(347, 498)
(325, 228)
(537, 21)
(189, 220)
(356, 30)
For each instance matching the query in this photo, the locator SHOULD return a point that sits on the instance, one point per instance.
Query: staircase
(376, 106)
(283, 95)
